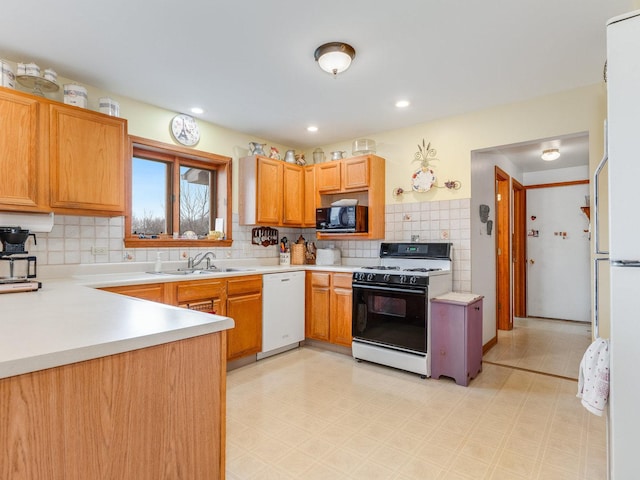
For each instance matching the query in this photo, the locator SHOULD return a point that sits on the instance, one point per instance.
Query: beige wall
(454, 138)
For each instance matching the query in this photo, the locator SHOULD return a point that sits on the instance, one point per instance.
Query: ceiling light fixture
(197, 110)
(334, 57)
(312, 128)
(402, 103)
(550, 154)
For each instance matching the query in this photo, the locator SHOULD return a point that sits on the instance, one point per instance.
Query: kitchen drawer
(342, 280)
(244, 284)
(320, 279)
(199, 290)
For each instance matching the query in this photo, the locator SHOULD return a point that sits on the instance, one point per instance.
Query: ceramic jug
(256, 148)
(337, 155)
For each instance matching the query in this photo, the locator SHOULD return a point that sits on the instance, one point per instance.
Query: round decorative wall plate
(185, 130)
(422, 180)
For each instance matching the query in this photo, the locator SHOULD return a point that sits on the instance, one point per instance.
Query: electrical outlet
(444, 234)
(99, 250)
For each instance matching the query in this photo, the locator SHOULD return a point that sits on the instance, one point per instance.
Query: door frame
(519, 253)
(504, 313)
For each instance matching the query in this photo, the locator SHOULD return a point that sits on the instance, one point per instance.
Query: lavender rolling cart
(456, 336)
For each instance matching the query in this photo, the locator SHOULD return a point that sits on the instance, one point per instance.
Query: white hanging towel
(593, 380)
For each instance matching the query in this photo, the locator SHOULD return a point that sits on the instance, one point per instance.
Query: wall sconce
(550, 155)
(334, 57)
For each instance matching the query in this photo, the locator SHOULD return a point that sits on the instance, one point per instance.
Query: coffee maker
(16, 266)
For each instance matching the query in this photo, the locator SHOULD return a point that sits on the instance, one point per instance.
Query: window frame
(196, 158)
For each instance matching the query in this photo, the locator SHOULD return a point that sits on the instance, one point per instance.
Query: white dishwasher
(282, 312)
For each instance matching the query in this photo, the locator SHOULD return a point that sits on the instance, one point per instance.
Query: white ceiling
(574, 152)
(249, 63)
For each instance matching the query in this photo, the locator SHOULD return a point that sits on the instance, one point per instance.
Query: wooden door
(24, 170)
(87, 161)
(293, 192)
(309, 219)
(328, 177)
(519, 254)
(244, 305)
(269, 191)
(504, 314)
(355, 173)
(341, 310)
(318, 304)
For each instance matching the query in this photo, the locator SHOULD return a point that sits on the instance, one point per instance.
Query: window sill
(170, 242)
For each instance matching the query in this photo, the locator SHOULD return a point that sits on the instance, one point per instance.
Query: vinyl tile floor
(542, 345)
(315, 414)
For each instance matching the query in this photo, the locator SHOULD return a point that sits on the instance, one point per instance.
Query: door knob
(532, 261)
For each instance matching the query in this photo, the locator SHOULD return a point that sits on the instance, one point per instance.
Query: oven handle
(415, 291)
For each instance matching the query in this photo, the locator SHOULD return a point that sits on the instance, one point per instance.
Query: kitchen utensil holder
(285, 258)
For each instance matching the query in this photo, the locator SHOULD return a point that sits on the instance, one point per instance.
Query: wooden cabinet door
(355, 173)
(328, 177)
(244, 305)
(341, 310)
(318, 306)
(309, 218)
(246, 337)
(269, 191)
(151, 291)
(87, 155)
(22, 145)
(293, 192)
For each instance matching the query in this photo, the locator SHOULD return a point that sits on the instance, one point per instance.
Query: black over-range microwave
(346, 219)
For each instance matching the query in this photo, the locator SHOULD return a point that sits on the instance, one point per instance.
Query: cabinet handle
(477, 308)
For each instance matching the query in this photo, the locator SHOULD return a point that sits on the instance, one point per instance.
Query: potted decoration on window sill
(424, 178)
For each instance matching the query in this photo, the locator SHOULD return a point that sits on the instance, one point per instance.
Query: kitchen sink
(185, 272)
(237, 269)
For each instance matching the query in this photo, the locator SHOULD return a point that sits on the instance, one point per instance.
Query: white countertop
(69, 321)
(65, 322)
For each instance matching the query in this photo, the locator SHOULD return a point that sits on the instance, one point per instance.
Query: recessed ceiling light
(402, 103)
(197, 110)
(312, 128)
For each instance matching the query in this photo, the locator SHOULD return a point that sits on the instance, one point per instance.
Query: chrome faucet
(193, 262)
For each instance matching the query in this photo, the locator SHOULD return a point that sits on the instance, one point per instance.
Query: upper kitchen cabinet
(23, 133)
(361, 178)
(272, 192)
(87, 155)
(60, 158)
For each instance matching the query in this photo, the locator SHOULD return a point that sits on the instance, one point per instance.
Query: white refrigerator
(623, 144)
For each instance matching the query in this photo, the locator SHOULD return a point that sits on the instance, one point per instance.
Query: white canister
(51, 75)
(7, 77)
(109, 106)
(75, 95)
(21, 69)
(32, 69)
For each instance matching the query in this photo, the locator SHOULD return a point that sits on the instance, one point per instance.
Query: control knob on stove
(413, 280)
(386, 277)
(359, 276)
(403, 279)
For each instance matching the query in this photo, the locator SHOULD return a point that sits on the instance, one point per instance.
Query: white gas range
(391, 304)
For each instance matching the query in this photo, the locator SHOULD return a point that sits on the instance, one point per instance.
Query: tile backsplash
(72, 239)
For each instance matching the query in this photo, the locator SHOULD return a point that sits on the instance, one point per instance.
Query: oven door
(394, 317)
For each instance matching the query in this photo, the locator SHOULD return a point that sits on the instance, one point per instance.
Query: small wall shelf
(586, 211)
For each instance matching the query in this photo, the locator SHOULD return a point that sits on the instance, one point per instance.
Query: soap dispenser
(158, 265)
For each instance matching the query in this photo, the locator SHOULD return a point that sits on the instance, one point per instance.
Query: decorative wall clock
(185, 130)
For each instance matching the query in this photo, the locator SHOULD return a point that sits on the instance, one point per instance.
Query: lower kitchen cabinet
(150, 413)
(202, 295)
(456, 337)
(244, 305)
(152, 291)
(328, 307)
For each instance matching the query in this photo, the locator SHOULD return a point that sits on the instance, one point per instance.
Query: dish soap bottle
(158, 265)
